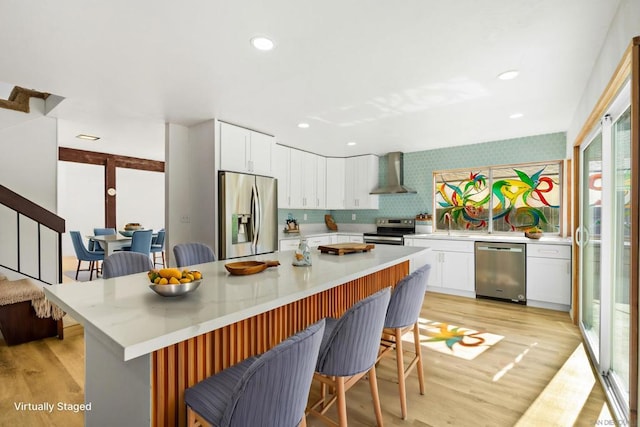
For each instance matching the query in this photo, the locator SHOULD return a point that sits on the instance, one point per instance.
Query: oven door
(383, 240)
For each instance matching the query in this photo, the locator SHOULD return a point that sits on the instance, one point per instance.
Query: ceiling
(409, 76)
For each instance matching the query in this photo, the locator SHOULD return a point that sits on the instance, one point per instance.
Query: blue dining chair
(157, 246)
(349, 351)
(402, 317)
(95, 246)
(125, 263)
(269, 390)
(140, 242)
(192, 254)
(83, 254)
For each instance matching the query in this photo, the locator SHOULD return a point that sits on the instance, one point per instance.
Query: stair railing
(43, 218)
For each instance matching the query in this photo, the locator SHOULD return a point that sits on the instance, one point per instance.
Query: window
(500, 198)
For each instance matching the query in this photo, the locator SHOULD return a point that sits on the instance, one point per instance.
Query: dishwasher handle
(498, 248)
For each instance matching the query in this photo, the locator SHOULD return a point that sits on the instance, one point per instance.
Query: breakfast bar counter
(143, 350)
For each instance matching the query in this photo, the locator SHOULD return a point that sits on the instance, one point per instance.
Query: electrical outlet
(353, 217)
(185, 219)
(304, 217)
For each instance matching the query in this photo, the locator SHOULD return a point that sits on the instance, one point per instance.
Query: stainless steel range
(389, 231)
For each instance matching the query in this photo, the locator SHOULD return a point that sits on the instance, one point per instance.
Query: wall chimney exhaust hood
(395, 176)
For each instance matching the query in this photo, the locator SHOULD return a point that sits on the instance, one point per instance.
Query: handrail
(43, 217)
(29, 209)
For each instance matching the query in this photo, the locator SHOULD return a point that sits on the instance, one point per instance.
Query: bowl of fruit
(533, 233)
(173, 282)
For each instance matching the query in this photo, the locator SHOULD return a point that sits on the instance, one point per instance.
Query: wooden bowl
(534, 236)
(244, 268)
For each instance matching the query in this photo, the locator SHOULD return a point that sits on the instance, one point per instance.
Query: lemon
(163, 281)
(170, 272)
(174, 281)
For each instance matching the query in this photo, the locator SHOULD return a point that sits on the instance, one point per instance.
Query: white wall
(81, 200)
(30, 153)
(625, 26)
(177, 188)
(140, 198)
(191, 185)
(29, 146)
(204, 183)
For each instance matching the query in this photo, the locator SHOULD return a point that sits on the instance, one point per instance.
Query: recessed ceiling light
(262, 43)
(508, 75)
(351, 143)
(88, 137)
(516, 115)
(303, 125)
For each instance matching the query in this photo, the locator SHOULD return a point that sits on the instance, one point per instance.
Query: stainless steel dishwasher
(501, 271)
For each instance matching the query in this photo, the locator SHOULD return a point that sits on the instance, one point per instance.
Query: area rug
(455, 340)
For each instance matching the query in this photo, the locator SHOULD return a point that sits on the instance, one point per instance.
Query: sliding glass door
(621, 243)
(604, 237)
(589, 238)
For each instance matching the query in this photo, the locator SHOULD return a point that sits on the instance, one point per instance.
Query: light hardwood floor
(529, 378)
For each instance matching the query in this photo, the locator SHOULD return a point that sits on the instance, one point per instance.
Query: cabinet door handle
(549, 251)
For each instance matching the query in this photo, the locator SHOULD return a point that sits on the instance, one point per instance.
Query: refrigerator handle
(255, 216)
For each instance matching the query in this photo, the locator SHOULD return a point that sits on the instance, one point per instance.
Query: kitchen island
(143, 350)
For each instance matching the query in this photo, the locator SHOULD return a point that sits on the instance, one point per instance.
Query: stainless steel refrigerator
(248, 214)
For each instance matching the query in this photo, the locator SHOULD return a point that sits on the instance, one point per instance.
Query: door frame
(629, 66)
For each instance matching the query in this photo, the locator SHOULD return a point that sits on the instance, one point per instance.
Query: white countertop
(284, 236)
(545, 240)
(133, 320)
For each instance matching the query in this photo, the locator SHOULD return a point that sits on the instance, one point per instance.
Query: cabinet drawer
(549, 251)
(445, 245)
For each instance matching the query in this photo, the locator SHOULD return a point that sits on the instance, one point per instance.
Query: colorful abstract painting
(514, 198)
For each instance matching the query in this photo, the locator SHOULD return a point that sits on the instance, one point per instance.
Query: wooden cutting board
(346, 248)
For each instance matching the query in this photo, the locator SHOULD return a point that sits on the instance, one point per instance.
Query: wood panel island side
(143, 350)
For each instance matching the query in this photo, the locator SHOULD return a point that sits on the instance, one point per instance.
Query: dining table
(112, 242)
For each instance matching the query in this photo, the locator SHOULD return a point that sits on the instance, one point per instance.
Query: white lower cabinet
(319, 240)
(452, 266)
(316, 241)
(548, 270)
(549, 276)
(289, 244)
(342, 238)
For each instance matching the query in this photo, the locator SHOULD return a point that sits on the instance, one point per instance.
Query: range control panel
(396, 222)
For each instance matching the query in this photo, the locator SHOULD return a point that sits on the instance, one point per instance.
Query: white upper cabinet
(307, 186)
(321, 182)
(280, 166)
(243, 150)
(335, 183)
(295, 179)
(361, 176)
